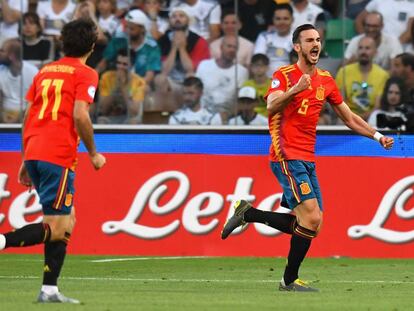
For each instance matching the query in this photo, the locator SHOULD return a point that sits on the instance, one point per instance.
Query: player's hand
(98, 160)
(386, 142)
(303, 83)
(23, 177)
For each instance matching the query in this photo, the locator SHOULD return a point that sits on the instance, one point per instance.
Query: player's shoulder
(287, 68)
(323, 73)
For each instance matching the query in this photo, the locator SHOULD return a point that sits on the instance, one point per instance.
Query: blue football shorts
(54, 185)
(298, 180)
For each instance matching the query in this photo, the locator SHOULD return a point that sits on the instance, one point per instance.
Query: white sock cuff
(2, 241)
(50, 289)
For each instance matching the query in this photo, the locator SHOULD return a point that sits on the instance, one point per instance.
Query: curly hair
(78, 37)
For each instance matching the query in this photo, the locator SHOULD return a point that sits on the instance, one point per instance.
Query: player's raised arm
(357, 124)
(278, 100)
(84, 128)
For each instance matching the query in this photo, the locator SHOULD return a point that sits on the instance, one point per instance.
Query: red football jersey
(293, 130)
(50, 133)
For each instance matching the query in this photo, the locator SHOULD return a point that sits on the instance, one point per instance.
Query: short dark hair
(122, 52)
(299, 29)
(32, 17)
(407, 59)
(260, 58)
(283, 6)
(78, 37)
(193, 81)
(228, 11)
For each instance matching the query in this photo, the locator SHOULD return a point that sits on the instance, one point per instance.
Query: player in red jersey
(294, 102)
(56, 117)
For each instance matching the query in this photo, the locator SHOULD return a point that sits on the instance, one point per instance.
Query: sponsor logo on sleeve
(275, 83)
(92, 91)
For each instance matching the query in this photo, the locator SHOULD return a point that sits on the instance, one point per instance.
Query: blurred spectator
(354, 7)
(403, 67)
(393, 97)
(387, 46)
(332, 8)
(246, 103)
(204, 17)
(37, 49)
(122, 7)
(191, 111)
(219, 79)
(107, 20)
(181, 52)
(396, 14)
(15, 79)
(362, 83)
(230, 25)
(409, 47)
(54, 14)
(255, 16)
(259, 80)
(144, 51)
(10, 14)
(305, 12)
(277, 43)
(121, 94)
(159, 25)
(87, 9)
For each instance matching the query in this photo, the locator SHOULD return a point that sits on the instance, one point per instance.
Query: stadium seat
(338, 33)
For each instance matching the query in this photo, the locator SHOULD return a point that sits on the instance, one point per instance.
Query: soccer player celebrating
(56, 116)
(294, 102)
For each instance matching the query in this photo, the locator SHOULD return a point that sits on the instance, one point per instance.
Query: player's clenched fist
(303, 83)
(387, 142)
(98, 160)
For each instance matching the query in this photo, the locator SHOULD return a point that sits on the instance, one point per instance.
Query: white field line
(150, 258)
(111, 279)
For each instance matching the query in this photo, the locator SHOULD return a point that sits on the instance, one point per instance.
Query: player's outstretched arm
(357, 124)
(84, 128)
(278, 100)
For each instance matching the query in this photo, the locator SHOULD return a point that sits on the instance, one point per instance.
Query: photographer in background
(394, 112)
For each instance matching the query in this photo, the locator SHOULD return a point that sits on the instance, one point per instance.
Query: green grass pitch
(163, 283)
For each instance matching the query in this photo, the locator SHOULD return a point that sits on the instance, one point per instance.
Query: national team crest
(68, 199)
(304, 188)
(320, 93)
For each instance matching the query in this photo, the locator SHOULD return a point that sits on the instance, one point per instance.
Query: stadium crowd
(200, 62)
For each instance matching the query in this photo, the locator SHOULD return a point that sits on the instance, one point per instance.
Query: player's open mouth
(314, 52)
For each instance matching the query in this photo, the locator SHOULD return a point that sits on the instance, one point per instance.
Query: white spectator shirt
(54, 22)
(203, 14)
(14, 88)
(220, 84)
(201, 117)
(244, 52)
(276, 47)
(258, 120)
(389, 47)
(395, 12)
(307, 16)
(109, 24)
(8, 31)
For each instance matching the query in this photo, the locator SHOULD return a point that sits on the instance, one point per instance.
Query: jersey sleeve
(335, 96)
(85, 84)
(278, 84)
